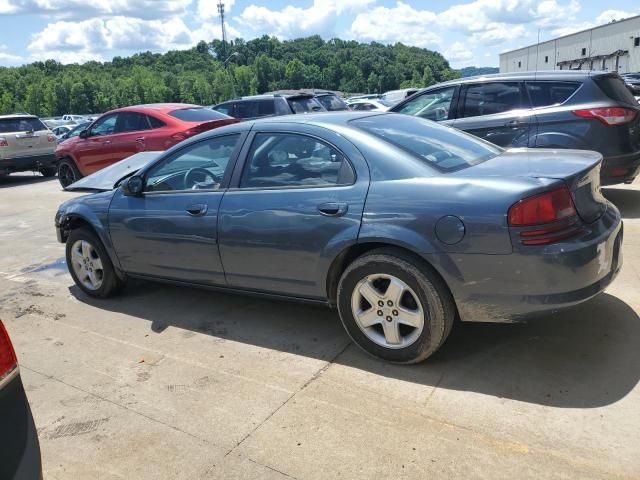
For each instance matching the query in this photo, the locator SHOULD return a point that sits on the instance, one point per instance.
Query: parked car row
(560, 110)
(392, 219)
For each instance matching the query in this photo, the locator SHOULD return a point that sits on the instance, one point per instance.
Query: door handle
(107, 142)
(516, 123)
(140, 139)
(333, 209)
(197, 210)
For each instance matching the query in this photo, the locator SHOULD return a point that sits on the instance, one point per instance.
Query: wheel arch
(352, 252)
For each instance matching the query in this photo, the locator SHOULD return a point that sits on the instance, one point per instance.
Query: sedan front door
(170, 231)
(295, 203)
(97, 150)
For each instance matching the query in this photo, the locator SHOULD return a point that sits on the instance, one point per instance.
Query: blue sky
(467, 32)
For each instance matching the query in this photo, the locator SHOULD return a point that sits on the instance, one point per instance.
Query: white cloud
(459, 53)
(610, 15)
(401, 23)
(78, 9)
(208, 9)
(96, 38)
(291, 21)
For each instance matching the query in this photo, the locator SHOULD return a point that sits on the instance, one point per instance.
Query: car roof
(17, 115)
(540, 75)
(342, 117)
(157, 107)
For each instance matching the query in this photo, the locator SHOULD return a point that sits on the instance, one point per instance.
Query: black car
(19, 446)
(633, 82)
(268, 105)
(584, 110)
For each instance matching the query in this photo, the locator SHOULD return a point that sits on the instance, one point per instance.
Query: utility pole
(224, 31)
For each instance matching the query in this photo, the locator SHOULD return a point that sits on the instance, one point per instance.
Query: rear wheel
(89, 264)
(394, 307)
(68, 173)
(49, 171)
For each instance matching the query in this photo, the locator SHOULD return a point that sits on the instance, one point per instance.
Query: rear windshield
(198, 114)
(615, 89)
(305, 104)
(332, 102)
(440, 147)
(21, 124)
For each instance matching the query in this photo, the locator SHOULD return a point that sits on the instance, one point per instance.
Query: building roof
(635, 17)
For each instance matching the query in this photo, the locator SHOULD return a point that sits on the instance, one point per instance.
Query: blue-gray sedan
(400, 223)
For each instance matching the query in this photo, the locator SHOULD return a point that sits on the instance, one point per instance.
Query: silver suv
(26, 144)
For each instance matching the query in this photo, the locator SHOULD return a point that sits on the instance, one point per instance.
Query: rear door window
(266, 108)
(246, 109)
(434, 105)
(545, 94)
(615, 89)
(132, 122)
(305, 105)
(491, 98)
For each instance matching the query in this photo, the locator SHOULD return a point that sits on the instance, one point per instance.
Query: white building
(611, 47)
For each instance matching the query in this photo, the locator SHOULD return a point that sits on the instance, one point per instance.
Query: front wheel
(394, 307)
(68, 173)
(89, 264)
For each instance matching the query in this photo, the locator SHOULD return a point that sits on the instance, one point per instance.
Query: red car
(121, 133)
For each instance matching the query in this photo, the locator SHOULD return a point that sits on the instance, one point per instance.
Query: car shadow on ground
(583, 357)
(626, 199)
(18, 179)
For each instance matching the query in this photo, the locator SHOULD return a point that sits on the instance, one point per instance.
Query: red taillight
(8, 360)
(609, 115)
(3, 142)
(544, 208)
(551, 216)
(51, 138)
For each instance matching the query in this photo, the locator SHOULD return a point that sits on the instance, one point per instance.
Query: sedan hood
(107, 178)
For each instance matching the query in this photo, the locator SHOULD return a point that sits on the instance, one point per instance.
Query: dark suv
(561, 109)
(268, 105)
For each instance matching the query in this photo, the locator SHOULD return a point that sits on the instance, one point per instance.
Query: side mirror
(84, 134)
(133, 186)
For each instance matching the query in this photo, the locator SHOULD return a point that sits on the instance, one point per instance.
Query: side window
(248, 109)
(105, 126)
(132, 122)
(544, 94)
(200, 166)
(292, 160)
(226, 108)
(434, 105)
(491, 98)
(154, 122)
(266, 107)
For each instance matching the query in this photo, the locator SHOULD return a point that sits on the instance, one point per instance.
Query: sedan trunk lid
(579, 169)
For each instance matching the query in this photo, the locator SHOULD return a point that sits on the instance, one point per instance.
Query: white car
(371, 105)
(26, 144)
(74, 118)
(395, 96)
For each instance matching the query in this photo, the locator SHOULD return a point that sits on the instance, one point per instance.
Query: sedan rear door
(293, 204)
(498, 112)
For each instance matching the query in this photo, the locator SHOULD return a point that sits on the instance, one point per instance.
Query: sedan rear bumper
(32, 162)
(534, 280)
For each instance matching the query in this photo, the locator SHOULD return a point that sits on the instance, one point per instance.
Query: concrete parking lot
(165, 382)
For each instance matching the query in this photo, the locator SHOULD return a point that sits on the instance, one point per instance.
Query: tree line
(216, 71)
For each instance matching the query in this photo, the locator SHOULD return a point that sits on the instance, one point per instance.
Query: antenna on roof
(535, 75)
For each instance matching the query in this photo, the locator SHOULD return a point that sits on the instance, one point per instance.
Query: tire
(49, 171)
(424, 296)
(68, 172)
(85, 255)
